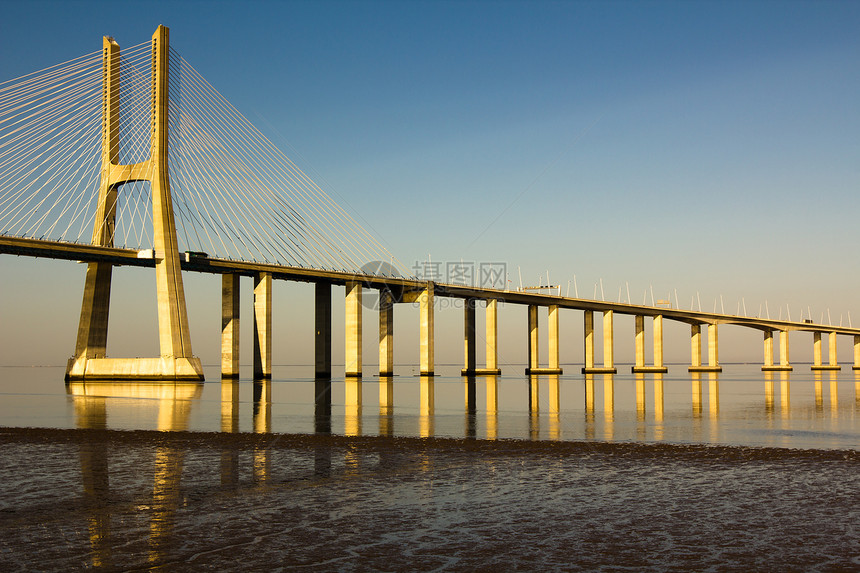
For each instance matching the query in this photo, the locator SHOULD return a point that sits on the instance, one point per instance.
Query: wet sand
(183, 501)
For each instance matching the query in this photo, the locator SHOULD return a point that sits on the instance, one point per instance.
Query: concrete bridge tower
(176, 361)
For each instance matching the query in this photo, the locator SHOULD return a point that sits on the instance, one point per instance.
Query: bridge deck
(131, 257)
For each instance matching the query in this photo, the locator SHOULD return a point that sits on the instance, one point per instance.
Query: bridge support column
(229, 325)
(588, 341)
(695, 347)
(831, 348)
(533, 354)
(784, 364)
(322, 331)
(427, 336)
(816, 352)
(713, 349)
(492, 334)
(658, 345)
(352, 338)
(639, 343)
(768, 350)
(856, 353)
(608, 344)
(262, 326)
(534, 341)
(640, 346)
(552, 326)
(469, 336)
(386, 333)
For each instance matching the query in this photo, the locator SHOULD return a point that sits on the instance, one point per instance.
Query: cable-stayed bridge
(130, 158)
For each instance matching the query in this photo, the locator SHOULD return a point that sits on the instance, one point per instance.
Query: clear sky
(708, 147)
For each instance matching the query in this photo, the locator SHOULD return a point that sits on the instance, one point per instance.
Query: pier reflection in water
(174, 403)
(148, 499)
(747, 407)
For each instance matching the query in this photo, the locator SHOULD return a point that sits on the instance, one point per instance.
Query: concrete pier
(469, 334)
(609, 341)
(262, 326)
(492, 336)
(639, 346)
(588, 341)
(856, 353)
(427, 336)
(608, 344)
(658, 345)
(696, 349)
(768, 350)
(230, 326)
(784, 363)
(552, 327)
(534, 366)
(386, 333)
(322, 331)
(816, 352)
(639, 343)
(352, 335)
(534, 339)
(769, 365)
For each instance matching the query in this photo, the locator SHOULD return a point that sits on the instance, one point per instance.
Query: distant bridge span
(401, 289)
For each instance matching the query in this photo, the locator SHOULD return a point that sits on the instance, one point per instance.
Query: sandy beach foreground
(132, 500)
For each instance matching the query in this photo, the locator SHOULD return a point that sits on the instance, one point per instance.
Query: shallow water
(564, 473)
(180, 501)
(741, 406)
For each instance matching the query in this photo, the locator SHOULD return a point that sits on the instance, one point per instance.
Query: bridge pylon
(176, 361)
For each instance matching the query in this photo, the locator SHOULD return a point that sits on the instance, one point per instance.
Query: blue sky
(709, 147)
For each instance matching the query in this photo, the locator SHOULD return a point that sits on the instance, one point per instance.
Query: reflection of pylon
(176, 361)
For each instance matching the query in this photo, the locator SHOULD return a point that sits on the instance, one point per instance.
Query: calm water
(741, 406)
(737, 471)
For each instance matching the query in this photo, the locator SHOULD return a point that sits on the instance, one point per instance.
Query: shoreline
(498, 447)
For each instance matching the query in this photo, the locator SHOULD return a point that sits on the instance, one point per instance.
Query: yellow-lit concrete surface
(262, 325)
(426, 345)
(639, 346)
(230, 325)
(174, 337)
(352, 335)
(386, 333)
(492, 335)
(856, 353)
(831, 349)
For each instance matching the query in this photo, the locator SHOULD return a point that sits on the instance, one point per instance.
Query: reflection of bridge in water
(255, 466)
(132, 159)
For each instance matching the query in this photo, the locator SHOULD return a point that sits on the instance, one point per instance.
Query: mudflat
(182, 501)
